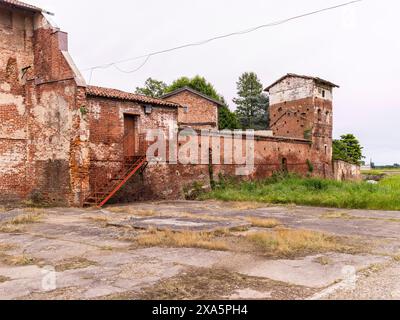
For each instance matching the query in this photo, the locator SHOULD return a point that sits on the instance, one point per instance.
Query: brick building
(198, 111)
(64, 142)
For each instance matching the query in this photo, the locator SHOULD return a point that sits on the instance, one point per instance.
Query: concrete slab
(181, 224)
(307, 271)
(190, 257)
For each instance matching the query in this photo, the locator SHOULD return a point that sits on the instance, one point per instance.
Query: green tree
(348, 149)
(252, 103)
(197, 83)
(152, 88)
(227, 118)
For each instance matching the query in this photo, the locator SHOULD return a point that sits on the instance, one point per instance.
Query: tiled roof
(121, 95)
(319, 80)
(20, 4)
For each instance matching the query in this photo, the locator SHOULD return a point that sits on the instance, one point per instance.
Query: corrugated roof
(319, 80)
(20, 4)
(122, 95)
(177, 91)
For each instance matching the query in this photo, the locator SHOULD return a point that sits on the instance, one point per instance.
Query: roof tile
(121, 95)
(20, 4)
(304, 77)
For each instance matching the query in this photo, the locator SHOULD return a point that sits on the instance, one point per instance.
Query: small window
(5, 18)
(323, 93)
(186, 109)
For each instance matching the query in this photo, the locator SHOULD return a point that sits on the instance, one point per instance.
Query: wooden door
(129, 136)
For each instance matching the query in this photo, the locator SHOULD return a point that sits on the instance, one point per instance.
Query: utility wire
(203, 42)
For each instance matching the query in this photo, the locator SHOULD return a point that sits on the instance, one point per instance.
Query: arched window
(328, 119)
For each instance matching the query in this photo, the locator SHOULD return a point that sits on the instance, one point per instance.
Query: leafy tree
(252, 103)
(348, 149)
(152, 88)
(227, 118)
(197, 83)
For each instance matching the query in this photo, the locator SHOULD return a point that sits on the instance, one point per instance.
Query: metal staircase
(132, 166)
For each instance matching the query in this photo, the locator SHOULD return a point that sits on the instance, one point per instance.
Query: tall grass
(314, 192)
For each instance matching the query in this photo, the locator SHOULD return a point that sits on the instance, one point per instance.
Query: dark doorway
(129, 136)
(285, 165)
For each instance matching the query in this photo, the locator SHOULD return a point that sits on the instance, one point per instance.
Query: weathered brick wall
(106, 121)
(198, 113)
(42, 131)
(302, 108)
(16, 43)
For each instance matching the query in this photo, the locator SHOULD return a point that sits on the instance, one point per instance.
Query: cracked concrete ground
(92, 254)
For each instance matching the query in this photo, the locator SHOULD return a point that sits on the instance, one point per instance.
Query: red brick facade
(197, 111)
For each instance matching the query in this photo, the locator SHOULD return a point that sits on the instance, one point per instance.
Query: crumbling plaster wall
(344, 171)
(42, 131)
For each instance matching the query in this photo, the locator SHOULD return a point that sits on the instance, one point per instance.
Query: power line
(203, 42)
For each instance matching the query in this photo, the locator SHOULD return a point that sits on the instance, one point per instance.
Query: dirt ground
(199, 250)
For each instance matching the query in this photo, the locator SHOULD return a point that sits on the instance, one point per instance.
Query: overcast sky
(357, 47)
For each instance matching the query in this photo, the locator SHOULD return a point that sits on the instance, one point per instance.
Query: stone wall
(344, 171)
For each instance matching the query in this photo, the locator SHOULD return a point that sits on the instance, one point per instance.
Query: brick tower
(301, 107)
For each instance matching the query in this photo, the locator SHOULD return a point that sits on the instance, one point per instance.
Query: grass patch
(6, 247)
(104, 221)
(324, 261)
(74, 264)
(16, 225)
(313, 192)
(193, 216)
(132, 211)
(290, 243)
(26, 219)
(185, 239)
(10, 228)
(263, 223)
(215, 284)
(9, 259)
(337, 215)
(22, 260)
(246, 205)
(276, 243)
